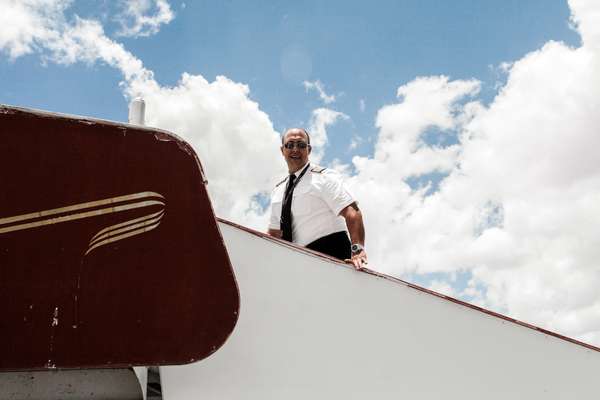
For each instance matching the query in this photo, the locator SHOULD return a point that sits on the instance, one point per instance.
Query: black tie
(286, 210)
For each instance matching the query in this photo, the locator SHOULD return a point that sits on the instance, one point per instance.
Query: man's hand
(275, 233)
(358, 260)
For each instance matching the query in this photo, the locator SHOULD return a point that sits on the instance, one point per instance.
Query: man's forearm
(354, 223)
(356, 228)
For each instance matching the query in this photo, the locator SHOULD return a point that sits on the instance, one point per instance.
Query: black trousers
(336, 245)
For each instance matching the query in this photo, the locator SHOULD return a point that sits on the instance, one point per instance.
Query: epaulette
(284, 179)
(317, 169)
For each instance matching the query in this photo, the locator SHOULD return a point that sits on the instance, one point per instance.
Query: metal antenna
(137, 111)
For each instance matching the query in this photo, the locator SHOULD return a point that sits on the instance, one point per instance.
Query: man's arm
(356, 228)
(275, 233)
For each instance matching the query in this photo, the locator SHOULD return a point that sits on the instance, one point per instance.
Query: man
(312, 208)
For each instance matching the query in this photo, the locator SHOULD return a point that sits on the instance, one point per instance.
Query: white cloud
(362, 105)
(519, 208)
(585, 15)
(427, 102)
(318, 86)
(355, 142)
(84, 41)
(322, 118)
(26, 23)
(144, 17)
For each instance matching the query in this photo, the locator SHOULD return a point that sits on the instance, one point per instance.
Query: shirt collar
(301, 169)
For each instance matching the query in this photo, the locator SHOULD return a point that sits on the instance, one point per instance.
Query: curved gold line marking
(123, 236)
(133, 221)
(127, 228)
(107, 235)
(76, 207)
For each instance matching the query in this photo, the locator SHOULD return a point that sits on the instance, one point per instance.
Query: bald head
(295, 131)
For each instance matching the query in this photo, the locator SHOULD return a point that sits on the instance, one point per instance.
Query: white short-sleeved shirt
(317, 201)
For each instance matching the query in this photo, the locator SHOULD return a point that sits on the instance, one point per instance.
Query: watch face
(356, 248)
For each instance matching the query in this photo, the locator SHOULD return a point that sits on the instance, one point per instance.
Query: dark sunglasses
(299, 145)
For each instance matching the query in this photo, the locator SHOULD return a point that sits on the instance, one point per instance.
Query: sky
(466, 130)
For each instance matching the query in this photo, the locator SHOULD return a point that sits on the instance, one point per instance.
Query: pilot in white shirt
(312, 208)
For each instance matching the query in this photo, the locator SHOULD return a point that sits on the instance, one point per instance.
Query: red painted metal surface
(110, 254)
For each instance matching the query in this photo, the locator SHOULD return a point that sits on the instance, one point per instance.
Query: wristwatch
(356, 248)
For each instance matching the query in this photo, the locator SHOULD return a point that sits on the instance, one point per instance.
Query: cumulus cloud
(144, 17)
(84, 41)
(233, 137)
(27, 24)
(584, 16)
(355, 142)
(427, 102)
(318, 86)
(322, 118)
(518, 202)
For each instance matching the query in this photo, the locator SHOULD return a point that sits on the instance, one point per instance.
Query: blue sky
(467, 130)
(360, 51)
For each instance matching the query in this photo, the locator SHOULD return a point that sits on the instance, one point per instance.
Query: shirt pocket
(302, 203)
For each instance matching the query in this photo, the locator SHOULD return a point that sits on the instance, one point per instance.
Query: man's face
(295, 157)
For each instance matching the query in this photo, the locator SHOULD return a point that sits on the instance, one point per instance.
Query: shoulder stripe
(284, 179)
(317, 169)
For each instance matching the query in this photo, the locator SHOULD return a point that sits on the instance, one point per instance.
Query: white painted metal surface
(313, 329)
(137, 111)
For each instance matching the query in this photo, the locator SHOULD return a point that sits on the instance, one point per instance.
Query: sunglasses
(299, 145)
